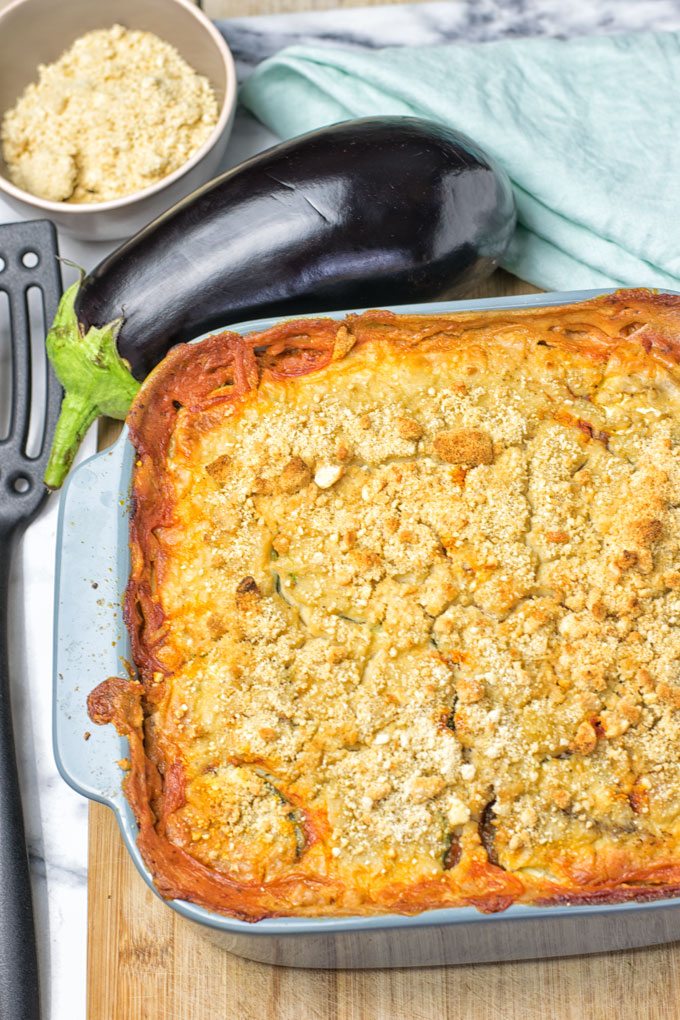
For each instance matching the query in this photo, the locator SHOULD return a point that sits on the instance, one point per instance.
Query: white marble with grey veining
(56, 817)
(431, 24)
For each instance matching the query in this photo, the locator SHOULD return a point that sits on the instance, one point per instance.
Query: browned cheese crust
(404, 601)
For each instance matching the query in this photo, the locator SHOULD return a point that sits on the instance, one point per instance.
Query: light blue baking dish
(91, 641)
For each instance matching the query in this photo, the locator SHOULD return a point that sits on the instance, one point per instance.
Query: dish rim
(122, 453)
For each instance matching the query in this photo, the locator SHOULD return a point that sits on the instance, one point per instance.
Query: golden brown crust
(403, 602)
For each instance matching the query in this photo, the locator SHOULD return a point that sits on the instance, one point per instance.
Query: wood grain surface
(243, 8)
(147, 963)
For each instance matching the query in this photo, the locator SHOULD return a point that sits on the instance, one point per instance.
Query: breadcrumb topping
(432, 598)
(117, 112)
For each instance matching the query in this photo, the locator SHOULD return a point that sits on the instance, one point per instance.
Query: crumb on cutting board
(119, 111)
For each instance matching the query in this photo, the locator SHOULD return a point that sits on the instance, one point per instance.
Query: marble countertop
(57, 817)
(434, 24)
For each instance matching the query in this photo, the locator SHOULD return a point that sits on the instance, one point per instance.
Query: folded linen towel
(587, 129)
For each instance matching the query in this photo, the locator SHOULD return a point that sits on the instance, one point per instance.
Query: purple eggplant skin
(361, 214)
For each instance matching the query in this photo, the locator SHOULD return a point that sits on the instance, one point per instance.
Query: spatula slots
(30, 287)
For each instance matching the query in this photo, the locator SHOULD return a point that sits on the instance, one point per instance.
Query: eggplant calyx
(96, 381)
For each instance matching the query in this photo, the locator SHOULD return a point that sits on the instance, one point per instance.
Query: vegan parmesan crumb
(384, 685)
(119, 111)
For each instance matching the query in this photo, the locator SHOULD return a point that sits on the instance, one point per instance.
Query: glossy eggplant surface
(363, 213)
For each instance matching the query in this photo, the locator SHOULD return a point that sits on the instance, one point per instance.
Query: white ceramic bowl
(36, 32)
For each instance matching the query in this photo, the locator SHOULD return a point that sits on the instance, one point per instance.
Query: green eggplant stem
(96, 381)
(76, 416)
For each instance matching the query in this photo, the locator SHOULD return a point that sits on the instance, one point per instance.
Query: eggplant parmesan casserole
(404, 606)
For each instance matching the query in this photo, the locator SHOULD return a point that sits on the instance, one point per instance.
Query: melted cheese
(421, 612)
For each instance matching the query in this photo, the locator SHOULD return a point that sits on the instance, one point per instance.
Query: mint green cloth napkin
(588, 130)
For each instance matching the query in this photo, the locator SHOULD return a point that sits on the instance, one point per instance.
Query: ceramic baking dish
(91, 643)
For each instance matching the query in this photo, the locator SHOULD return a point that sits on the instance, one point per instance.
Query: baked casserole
(403, 607)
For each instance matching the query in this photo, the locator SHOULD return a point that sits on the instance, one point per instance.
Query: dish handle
(90, 640)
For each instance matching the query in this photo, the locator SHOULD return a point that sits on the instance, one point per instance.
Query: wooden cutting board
(147, 963)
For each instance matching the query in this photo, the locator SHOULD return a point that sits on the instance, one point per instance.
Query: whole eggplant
(365, 213)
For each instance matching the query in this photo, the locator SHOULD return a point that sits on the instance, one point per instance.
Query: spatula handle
(19, 989)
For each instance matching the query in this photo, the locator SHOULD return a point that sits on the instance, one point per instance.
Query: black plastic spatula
(28, 260)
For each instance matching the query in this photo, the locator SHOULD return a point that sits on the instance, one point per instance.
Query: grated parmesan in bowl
(119, 111)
